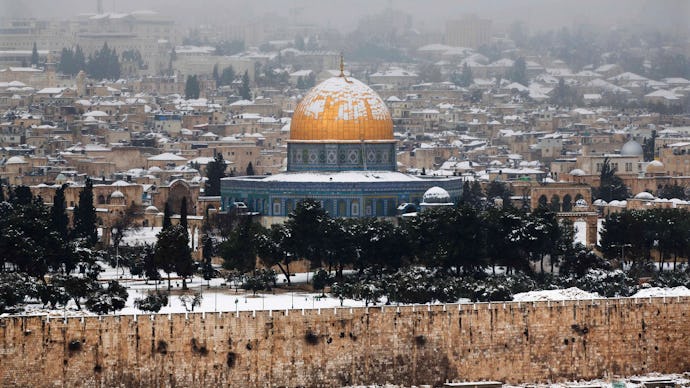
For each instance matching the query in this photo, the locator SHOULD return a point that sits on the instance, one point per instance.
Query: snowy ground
(680, 380)
(219, 296)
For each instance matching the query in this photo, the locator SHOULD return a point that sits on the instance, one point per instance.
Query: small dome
(16, 160)
(117, 194)
(632, 148)
(577, 172)
(436, 195)
(599, 202)
(644, 195)
(60, 178)
(655, 167)
(119, 183)
(151, 210)
(155, 169)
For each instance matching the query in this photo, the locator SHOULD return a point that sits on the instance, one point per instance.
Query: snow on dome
(655, 167)
(644, 195)
(16, 160)
(548, 180)
(599, 202)
(117, 194)
(341, 108)
(436, 195)
(119, 183)
(571, 293)
(155, 169)
(577, 172)
(151, 209)
(632, 148)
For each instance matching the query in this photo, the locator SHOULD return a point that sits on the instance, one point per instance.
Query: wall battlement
(512, 342)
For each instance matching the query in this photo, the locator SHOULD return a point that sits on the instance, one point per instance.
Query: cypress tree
(167, 213)
(34, 55)
(245, 91)
(215, 171)
(85, 215)
(183, 213)
(58, 213)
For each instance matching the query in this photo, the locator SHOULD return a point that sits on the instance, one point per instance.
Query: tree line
(47, 261)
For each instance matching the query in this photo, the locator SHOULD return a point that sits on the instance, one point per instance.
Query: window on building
(355, 208)
(276, 208)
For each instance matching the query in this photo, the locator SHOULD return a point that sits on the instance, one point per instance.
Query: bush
(152, 302)
(263, 279)
(606, 283)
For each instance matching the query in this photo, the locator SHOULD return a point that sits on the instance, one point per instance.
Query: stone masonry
(511, 342)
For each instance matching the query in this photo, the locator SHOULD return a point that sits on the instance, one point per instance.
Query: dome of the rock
(341, 109)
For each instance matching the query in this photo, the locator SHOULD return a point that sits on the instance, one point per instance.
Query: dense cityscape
(151, 164)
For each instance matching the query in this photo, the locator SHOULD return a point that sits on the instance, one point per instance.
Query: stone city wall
(511, 342)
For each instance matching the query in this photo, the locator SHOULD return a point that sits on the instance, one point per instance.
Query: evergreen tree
(78, 61)
(215, 74)
(207, 270)
(2, 193)
(250, 169)
(245, 91)
(472, 194)
(497, 189)
(215, 171)
(649, 147)
(183, 214)
(191, 88)
(85, 215)
(58, 213)
(66, 63)
(167, 214)
(240, 249)
(466, 78)
(34, 55)
(227, 76)
(173, 253)
(518, 72)
(611, 186)
(103, 64)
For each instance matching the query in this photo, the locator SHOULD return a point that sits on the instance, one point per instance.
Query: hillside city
(117, 127)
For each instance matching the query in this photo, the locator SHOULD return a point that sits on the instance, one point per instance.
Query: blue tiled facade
(339, 199)
(306, 156)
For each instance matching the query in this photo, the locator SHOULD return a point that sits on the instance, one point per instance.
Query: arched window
(101, 199)
(555, 203)
(543, 201)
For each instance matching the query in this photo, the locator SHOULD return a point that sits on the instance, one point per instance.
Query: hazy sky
(427, 14)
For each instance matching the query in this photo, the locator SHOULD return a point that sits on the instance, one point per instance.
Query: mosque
(342, 153)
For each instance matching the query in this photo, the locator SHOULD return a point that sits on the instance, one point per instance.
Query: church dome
(632, 148)
(341, 109)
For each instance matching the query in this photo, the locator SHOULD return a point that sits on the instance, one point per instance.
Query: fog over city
(344, 15)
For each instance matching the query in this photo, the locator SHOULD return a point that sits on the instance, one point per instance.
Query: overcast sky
(427, 14)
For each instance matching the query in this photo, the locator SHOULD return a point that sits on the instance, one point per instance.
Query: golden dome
(341, 109)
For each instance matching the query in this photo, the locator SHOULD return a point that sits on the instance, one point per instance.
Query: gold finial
(342, 65)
